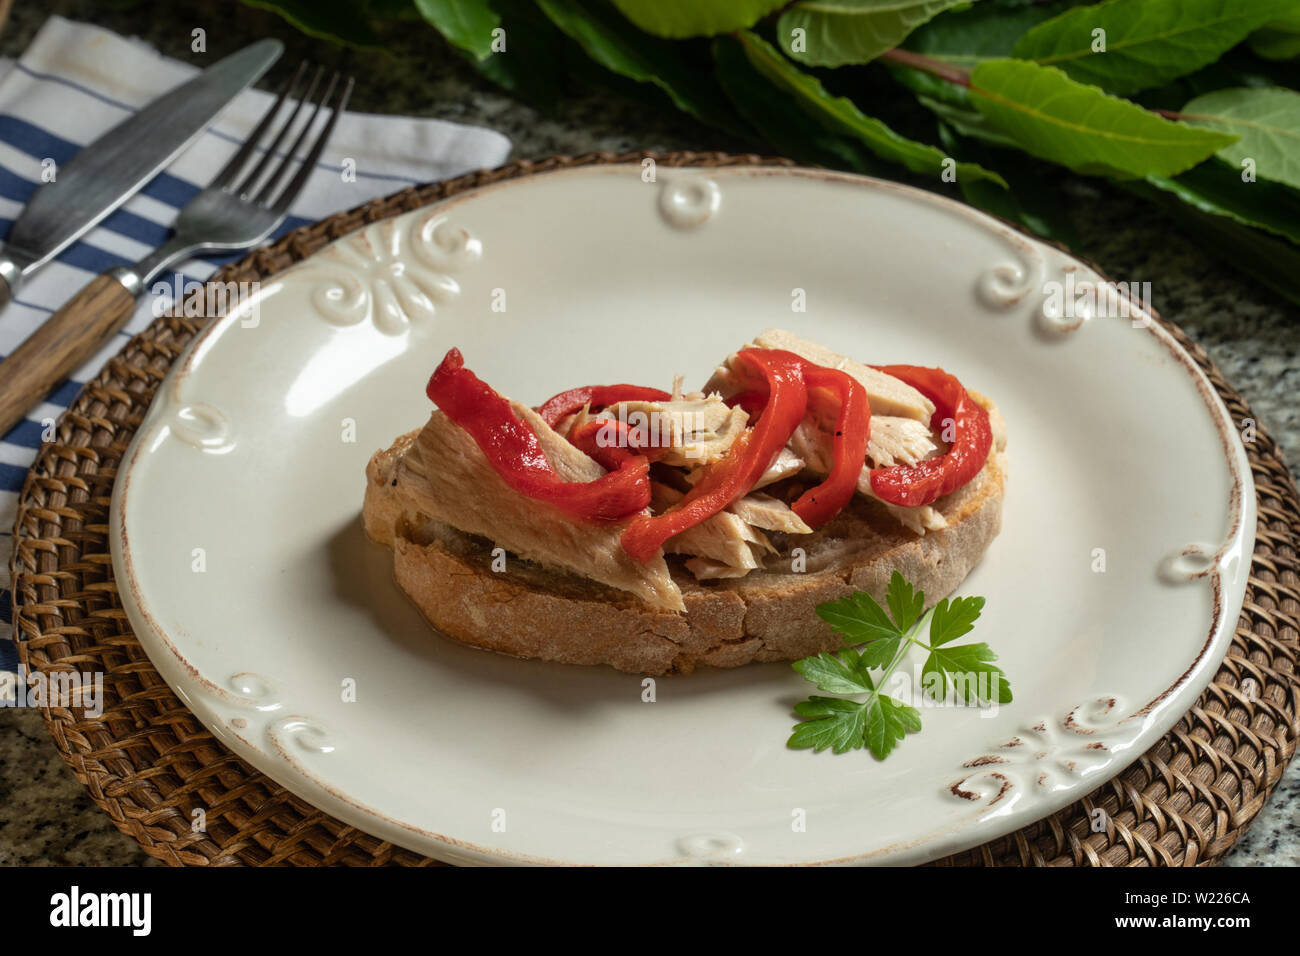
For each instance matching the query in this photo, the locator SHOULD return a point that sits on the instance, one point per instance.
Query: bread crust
(529, 611)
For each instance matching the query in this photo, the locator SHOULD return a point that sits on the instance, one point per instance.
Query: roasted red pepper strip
(818, 505)
(752, 401)
(555, 408)
(733, 476)
(972, 437)
(513, 451)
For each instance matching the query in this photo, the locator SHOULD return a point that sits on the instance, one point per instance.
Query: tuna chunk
(704, 569)
(768, 513)
(446, 477)
(784, 465)
(886, 394)
(699, 430)
(920, 519)
(899, 441)
(815, 447)
(723, 537)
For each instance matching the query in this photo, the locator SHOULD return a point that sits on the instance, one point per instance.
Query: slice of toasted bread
(531, 611)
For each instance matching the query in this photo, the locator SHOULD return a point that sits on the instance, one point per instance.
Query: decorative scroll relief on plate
(1067, 303)
(1076, 298)
(1008, 283)
(252, 689)
(1190, 563)
(1067, 297)
(392, 273)
(688, 202)
(1049, 755)
(202, 426)
(710, 849)
(302, 733)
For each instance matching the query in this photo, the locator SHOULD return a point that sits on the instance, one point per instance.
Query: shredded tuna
(785, 465)
(450, 480)
(899, 441)
(704, 569)
(815, 447)
(698, 430)
(768, 513)
(724, 537)
(886, 394)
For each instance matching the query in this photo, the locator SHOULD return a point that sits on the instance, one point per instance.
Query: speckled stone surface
(46, 816)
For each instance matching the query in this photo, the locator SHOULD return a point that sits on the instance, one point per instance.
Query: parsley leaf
(888, 720)
(954, 618)
(905, 603)
(965, 669)
(836, 675)
(829, 722)
(858, 618)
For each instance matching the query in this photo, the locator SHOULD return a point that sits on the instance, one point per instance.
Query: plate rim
(1198, 674)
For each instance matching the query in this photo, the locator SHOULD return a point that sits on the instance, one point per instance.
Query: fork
(234, 212)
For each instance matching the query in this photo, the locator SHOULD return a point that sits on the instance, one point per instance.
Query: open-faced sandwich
(655, 530)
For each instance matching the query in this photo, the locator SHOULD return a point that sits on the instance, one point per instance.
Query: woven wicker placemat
(149, 763)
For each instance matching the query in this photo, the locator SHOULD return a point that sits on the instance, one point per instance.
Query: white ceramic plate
(244, 571)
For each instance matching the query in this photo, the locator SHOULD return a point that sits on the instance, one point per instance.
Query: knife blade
(115, 166)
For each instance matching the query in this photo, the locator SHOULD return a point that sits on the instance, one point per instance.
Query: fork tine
(236, 162)
(309, 161)
(250, 181)
(268, 189)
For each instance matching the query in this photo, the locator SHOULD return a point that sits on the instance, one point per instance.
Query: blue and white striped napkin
(76, 81)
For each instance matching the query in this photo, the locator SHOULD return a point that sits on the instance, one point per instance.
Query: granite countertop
(46, 816)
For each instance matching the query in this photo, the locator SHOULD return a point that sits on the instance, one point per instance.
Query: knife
(112, 169)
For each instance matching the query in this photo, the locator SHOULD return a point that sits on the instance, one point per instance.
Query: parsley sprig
(879, 641)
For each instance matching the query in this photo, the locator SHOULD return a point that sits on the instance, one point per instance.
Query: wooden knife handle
(67, 339)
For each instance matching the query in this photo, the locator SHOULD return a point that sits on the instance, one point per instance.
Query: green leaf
(833, 675)
(880, 653)
(1279, 39)
(618, 46)
(838, 32)
(839, 113)
(1218, 189)
(1268, 122)
(1146, 43)
(969, 122)
(986, 31)
(777, 121)
(694, 18)
(335, 20)
(905, 603)
(466, 24)
(952, 619)
(887, 722)
(844, 725)
(1055, 118)
(966, 670)
(858, 618)
(531, 65)
(829, 722)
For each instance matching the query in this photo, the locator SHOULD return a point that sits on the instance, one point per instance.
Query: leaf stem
(918, 61)
(904, 646)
